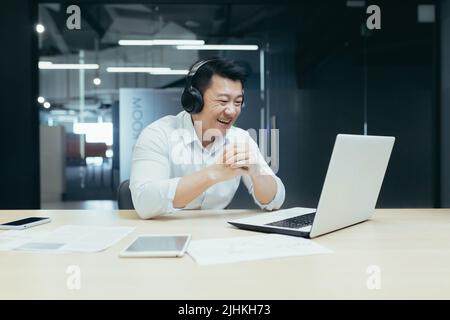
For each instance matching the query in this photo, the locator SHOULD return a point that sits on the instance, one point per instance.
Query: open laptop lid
(353, 181)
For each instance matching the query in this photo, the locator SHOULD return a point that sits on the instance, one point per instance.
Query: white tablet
(157, 245)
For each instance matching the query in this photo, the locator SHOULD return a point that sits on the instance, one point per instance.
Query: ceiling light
(97, 81)
(160, 42)
(170, 72)
(47, 105)
(136, 69)
(218, 47)
(40, 28)
(66, 66)
(41, 99)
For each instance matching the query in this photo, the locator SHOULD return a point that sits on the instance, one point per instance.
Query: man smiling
(195, 160)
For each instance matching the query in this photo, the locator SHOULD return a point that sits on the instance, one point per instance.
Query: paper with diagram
(68, 238)
(229, 250)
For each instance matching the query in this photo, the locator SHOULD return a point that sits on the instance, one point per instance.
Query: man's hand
(222, 171)
(235, 160)
(240, 155)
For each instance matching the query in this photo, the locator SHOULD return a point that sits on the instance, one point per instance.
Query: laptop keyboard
(295, 222)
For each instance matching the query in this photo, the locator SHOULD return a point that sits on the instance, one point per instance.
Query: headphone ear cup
(187, 101)
(197, 100)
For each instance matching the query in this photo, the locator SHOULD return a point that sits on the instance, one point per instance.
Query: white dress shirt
(169, 149)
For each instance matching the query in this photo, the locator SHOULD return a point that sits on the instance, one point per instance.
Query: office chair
(124, 201)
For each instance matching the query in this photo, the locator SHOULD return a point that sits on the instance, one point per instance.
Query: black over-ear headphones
(192, 98)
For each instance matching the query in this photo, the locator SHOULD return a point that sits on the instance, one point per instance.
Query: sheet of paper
(14, 238)
(230, 250)
(69, 238)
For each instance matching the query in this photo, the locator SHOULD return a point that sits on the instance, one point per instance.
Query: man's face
(222, 104)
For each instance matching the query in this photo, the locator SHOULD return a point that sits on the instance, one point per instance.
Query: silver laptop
(349, 193)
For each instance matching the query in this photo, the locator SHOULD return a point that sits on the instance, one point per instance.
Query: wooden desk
(411, 248)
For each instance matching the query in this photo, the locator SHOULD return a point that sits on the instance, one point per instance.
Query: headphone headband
(194, 70)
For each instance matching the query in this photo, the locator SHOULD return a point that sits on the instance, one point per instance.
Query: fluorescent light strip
(170, 72)
(160, 42)
(218, 47)
(136, 69)
(65, 66)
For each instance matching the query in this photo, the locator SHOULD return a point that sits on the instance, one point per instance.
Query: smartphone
(157, 245)
(24, 223)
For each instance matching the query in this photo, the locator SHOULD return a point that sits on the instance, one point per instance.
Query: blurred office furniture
(73, 149)
(124, 200)
(52, 162)
(94, 156)
(97, 149)
(89, 176)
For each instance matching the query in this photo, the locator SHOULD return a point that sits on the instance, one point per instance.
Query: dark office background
(328, 75)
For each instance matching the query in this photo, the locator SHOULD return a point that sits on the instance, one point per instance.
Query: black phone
(24, 223)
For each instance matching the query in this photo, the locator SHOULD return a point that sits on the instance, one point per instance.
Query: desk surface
(411, 248)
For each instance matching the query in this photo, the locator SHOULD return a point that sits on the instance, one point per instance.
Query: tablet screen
(158, 243)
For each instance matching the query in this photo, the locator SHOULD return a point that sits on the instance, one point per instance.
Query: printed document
(68, 238)
(229, 250)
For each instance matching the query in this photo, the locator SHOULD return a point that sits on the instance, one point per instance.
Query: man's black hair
(218, 66)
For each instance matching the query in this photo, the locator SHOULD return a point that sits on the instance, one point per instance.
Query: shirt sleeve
(278, 199)
(152, 189)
